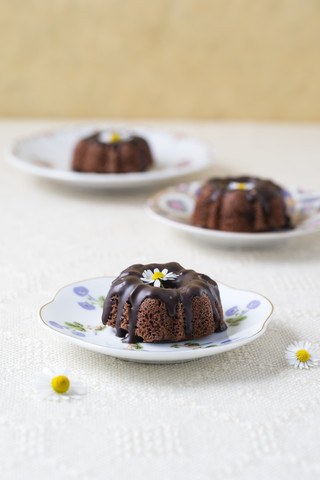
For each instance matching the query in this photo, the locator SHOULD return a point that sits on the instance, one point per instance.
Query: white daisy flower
(114, 136)
(300, 355)
(156, 277)
(58, 384)
(241, 185)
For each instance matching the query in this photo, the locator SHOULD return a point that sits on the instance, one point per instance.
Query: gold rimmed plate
(74, 315)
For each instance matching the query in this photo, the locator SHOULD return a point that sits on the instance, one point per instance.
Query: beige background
(209, 59)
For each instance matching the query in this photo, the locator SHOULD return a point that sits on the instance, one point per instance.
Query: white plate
(75, 315)
(175, 205)
(49, 155)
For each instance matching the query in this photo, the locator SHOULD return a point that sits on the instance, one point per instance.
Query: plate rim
(153, 355)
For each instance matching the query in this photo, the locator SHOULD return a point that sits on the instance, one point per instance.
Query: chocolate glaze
(138, 142)
(263, 191)
(130, 154)
(189, 284)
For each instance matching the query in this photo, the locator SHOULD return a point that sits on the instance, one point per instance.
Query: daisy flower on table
(58, 384)
(156, 277)
(301, 355)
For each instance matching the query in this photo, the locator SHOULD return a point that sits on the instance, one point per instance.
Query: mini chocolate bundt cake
(163, 302)
(241, 204)
(111, 152)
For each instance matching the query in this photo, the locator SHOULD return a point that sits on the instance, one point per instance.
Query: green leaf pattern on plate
(236, 319)
(191, 345)
(79, 327)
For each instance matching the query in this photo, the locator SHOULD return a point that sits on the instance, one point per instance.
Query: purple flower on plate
(56, 325)
(81, 291)
(78, 334)
(176, 205)
(232, 311)
(253, 304)
(86, 305)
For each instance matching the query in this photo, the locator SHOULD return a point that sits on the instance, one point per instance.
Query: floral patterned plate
(49, 155)
(174, 206)
(75, 315)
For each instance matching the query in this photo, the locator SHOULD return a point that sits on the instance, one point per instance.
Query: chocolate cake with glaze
(185, 306)
(241, 204)
(111, 152)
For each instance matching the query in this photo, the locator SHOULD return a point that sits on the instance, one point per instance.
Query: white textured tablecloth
(244, 414)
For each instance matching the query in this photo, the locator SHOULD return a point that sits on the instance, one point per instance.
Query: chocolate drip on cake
(129, 289)
(131, 154)
(255, 205)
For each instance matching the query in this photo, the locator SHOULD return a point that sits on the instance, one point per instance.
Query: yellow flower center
(115, 137)
(242, 186)
(60, 384)
(157, 275)
(303, 355)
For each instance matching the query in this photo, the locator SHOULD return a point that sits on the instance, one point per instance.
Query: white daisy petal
(47, 372)
(146, 275)
(65, 398)
(165, 271)
(157, 283)
(46, 392)
(42, 382)
(172, 275)
(78, 389)
(156, 270)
